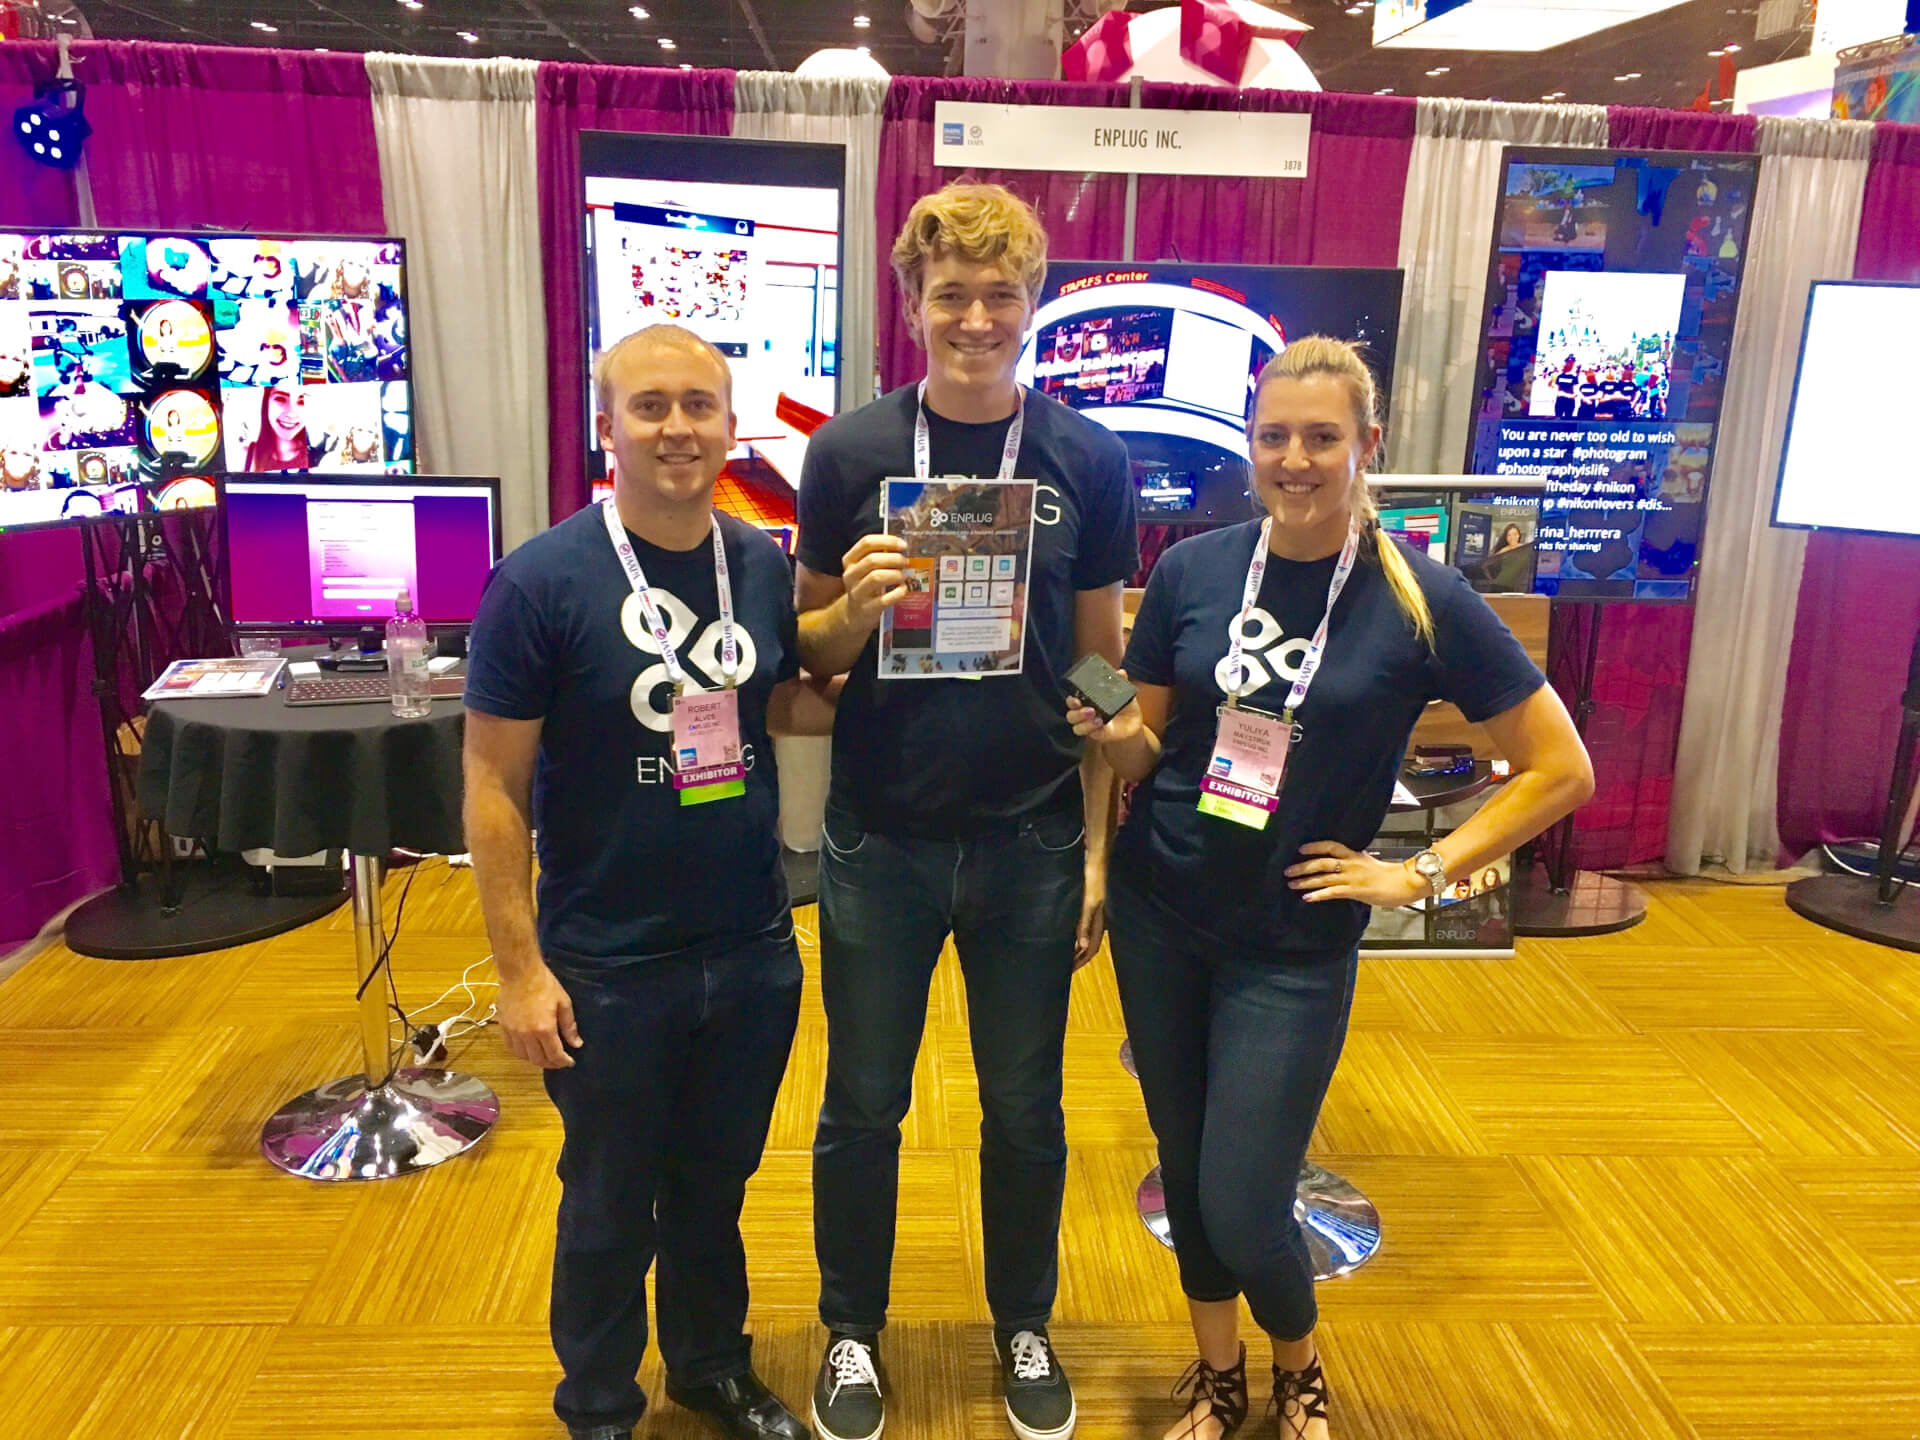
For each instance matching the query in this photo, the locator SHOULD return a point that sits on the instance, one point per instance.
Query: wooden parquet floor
(1663, 1185)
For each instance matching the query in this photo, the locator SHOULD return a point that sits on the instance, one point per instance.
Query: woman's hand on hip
(1333, 872)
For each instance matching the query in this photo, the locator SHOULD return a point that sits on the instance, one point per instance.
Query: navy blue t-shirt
(1229, 881)
(954, 757)
(626, 872)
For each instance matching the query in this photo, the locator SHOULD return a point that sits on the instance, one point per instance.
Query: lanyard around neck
(656, 622)
(1310, 662)
(923, 442)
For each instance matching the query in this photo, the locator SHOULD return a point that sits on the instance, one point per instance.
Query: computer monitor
(1843, 466)
(328, 554)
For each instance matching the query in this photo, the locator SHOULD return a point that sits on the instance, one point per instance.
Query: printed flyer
(969, 545)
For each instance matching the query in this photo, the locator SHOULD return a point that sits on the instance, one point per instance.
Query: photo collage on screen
(752, 268)
(1603, 362)
(138, 366)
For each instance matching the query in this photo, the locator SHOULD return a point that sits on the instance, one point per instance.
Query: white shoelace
(1030, 1358)
(852, 1364)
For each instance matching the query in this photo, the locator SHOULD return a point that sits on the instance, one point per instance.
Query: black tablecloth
(258, 773)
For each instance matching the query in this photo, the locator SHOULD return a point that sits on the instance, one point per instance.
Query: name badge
(706, 747)
(1249, 760)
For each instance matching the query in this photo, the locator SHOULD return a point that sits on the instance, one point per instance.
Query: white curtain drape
(1446, 239)
(773, 105)
(458, 164)
(1806, 218)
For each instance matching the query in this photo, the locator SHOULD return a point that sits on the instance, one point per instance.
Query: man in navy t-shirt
(660, 988)
(957, 805)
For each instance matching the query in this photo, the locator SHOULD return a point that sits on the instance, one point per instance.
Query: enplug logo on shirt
(1266, 653)
(701, 660)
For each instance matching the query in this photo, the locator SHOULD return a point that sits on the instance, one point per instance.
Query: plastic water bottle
(407, 661)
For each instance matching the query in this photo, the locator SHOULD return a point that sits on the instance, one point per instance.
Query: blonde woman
(1304, 642)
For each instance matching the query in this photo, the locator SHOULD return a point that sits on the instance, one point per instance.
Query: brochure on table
(969, 545)
(216, 679)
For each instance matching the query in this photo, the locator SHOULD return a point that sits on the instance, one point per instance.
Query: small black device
(1098, 685)
(1431, 760)
(353, 662)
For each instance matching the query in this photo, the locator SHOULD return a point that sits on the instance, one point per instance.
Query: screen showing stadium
(1165, 356)
(738, 241)
(135, 365)
(1838, 470)
(331, 552)
(1603, 357)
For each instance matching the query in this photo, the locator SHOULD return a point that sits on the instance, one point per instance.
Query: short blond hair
(986, 224)
(664, 337)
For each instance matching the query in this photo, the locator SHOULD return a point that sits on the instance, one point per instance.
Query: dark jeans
(666, 1111)
(1235, 1054)
(887, 905)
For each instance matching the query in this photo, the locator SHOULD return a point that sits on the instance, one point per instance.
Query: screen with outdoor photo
(135, 365)
(1838, 469)
(738, 241)
(1609, 314)
(1166, 355)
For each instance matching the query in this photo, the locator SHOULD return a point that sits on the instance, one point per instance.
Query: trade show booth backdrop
(1737, 729)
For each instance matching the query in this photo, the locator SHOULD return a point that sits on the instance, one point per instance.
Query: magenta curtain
(1859, 604)
(1638, 127)
(1640, 679)
(1085, 215)
(56, 833)
(189, 137)
(573, 98)
(1346, 211)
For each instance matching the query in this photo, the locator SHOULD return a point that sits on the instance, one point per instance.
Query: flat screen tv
(1165, 356)
(1840, 469)
(1611, 295)
(328, 553)
(131, 361)
(738, 241)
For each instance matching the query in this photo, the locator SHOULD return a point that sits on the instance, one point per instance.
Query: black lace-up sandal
(1299, 1398)
(1223, 1392)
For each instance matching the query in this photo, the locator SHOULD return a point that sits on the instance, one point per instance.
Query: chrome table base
(356, 1129)
(1341, 1225)
(344, 1131)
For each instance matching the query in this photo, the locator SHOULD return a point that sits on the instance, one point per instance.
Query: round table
(259, 773)
(1341, 1225)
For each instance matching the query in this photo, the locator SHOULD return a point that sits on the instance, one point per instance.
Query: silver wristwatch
(1431, 868)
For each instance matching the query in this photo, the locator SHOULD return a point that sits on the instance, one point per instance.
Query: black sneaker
(1039, 1397)
(847, 1400)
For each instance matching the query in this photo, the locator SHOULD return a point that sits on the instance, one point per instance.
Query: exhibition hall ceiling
(1663, 60)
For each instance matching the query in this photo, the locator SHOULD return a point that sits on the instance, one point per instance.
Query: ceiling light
(685, 65)
(665, 43)
(1439, 70)
(1630, 75)
(1356, 9)
(414, 4)
(861, 22)
(639, 12)
(1387, 91)
(1715, 54)
(262, 26)
(468, 36)
(1733, 49)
